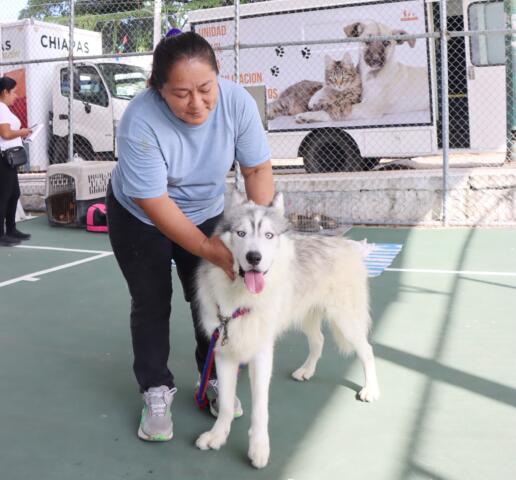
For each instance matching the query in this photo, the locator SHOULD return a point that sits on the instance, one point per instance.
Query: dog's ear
(347, 58)
(411, 41)
(278, 203)
(354, 29)
(225, 237)
(237, 198)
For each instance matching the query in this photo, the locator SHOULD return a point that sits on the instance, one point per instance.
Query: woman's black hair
(171, 50)
(6, 83)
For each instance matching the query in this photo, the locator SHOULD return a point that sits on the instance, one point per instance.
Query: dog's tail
(355, 329)
(344, 345)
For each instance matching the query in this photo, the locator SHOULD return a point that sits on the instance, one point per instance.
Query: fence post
(157, 23)
(510, 67)
(1, 55)
(236, 48)
(71, 80)
(444, 107)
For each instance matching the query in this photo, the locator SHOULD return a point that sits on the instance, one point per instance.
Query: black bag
(15, 157)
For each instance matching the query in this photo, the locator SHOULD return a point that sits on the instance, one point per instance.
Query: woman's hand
(214, 250)
(172, 222)
(25, 132)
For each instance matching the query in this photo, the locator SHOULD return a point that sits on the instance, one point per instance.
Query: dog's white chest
(244, 336)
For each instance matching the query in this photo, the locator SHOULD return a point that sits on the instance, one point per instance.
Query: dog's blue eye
(269, 235)
(240, 233)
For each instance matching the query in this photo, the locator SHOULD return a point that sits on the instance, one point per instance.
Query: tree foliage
(126, 25)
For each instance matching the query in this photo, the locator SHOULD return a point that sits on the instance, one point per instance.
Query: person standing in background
(10, 136)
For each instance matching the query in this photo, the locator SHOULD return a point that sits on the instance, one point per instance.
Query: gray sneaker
(213, 394)
(156, 423)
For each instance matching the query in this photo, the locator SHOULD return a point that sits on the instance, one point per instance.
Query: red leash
(200, 395)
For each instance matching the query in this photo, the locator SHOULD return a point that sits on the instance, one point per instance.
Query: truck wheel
(332, 150)
(82, 147)
(57, 150)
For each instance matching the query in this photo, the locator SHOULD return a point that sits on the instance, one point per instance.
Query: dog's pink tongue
(254, 281)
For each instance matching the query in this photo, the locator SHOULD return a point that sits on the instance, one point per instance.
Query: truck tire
(332, 150)
(83, 148)
(58, 149)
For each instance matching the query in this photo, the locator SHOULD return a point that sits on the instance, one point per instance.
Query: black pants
(144, 255)
(9, 195)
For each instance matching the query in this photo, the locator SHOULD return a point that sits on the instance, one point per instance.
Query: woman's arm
(173, 223)
(259, 184)
(7, 134)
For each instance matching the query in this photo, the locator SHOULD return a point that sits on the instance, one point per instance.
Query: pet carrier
(72, 187)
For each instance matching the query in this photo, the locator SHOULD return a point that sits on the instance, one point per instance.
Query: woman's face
(191, 90)
(8, 96)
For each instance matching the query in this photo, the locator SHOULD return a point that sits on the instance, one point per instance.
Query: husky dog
(283, 280)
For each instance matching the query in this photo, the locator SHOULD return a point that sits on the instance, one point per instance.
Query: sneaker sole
(155, 438)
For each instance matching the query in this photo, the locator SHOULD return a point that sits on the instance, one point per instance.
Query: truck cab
(101, 92)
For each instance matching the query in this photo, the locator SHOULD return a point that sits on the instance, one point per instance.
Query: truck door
(457, 78)
(92, 113)
(485, 60)
(93, 117)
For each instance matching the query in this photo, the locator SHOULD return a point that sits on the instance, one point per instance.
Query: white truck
(102, 90)
(477, 76)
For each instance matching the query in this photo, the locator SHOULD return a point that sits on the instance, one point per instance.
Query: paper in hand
(35, 131)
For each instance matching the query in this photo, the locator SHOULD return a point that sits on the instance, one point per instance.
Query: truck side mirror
(76, 83)
(103, 98)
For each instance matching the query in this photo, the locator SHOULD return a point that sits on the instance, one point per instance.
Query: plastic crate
(72, 187)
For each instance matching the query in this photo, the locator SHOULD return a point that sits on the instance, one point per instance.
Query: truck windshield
(123, 81)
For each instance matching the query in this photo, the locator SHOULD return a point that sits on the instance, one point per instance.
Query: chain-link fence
(389, 112)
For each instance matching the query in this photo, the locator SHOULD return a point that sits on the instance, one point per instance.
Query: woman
(176, 143)
(10, 136)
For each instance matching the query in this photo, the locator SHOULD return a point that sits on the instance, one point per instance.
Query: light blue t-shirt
(158, 153)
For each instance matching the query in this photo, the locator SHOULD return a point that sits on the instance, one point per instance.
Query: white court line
(452, 272)
(59, 249)
(31, 277)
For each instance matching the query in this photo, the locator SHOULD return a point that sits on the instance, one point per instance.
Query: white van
(477, 75)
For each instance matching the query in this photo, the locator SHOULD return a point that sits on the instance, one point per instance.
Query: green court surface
(444, 335)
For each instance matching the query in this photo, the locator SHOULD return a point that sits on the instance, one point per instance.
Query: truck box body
(479, 119)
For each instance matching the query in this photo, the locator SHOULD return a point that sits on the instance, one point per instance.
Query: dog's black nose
(253, 257)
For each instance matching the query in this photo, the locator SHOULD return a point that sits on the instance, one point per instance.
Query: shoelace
(214, 385)
(157, 402)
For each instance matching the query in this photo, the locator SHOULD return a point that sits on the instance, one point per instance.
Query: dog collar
(224, 320)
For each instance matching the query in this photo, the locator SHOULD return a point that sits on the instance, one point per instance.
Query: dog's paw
(211, 439)
(369, 393)
(302, 118)
(302, 374)
(259, 451)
